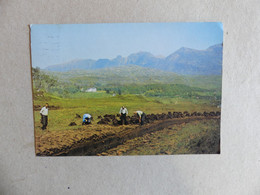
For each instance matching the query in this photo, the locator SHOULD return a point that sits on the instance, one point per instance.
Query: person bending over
(86, 119)
(141, 116)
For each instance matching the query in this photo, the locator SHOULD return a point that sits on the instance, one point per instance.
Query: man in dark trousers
(44, 116)
(141, 116)
(123, 112)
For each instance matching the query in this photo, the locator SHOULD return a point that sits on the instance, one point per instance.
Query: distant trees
(65, 87)
(42, 81)
(160, 90)
(119, 91)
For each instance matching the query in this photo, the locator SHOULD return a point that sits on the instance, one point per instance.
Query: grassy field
(101, 103)
(149, 90)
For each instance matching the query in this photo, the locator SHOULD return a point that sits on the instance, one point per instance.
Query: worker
(141, 116)
(86, 119)
(44, 116)
(123, 112)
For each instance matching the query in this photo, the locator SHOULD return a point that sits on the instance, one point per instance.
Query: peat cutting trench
(95, 144)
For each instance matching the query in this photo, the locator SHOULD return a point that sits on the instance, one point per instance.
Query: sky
(60, 43)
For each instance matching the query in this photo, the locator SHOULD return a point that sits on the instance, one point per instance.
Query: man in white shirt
(44, 116)
(123, 112)
(141, 116)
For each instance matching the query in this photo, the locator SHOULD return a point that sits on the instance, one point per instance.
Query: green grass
(101, 103)
(135, 75)
(83, 95)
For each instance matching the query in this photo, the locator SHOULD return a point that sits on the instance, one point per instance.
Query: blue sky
(59, 43)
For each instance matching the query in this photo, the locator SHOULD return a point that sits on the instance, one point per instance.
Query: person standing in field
(123, 112)
(44, 116)
(141, 116)
(86, 119)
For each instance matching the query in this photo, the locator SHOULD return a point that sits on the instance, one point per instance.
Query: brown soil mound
(72, 124)
(150, 118)
(78, 116)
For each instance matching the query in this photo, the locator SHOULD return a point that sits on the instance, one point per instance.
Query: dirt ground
(102, 138)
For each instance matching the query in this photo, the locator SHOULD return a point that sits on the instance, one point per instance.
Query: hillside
(133, 74)
(120, 75)
(184, 61)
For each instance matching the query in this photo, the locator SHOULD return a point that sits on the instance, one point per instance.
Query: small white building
(93, 89)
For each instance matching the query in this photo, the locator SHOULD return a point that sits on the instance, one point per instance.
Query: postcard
(126, 88)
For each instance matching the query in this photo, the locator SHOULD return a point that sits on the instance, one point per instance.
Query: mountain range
(184, 61)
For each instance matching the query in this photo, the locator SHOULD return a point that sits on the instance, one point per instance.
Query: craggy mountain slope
(184, 61)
